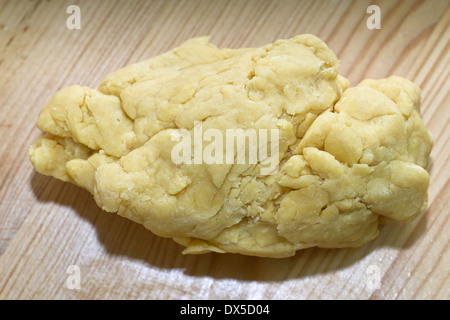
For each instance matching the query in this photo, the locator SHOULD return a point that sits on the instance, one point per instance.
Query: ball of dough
(348, 158)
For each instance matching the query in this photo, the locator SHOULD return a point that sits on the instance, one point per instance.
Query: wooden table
(46, 225)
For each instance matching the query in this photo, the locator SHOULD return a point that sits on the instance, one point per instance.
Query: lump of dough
(349, 158)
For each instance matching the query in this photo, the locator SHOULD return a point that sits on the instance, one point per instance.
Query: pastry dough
(349, 158)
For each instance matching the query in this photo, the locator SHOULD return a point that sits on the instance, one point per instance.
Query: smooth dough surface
(349, 158)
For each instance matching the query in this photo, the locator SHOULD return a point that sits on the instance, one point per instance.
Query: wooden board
(47, 225)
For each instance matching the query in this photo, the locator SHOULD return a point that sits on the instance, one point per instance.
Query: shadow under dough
(122, 237)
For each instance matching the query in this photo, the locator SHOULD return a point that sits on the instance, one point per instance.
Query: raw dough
(350, 158)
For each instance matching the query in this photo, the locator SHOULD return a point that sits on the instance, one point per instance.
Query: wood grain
(47, 225)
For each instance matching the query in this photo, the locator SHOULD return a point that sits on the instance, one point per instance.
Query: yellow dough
(349, 158)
